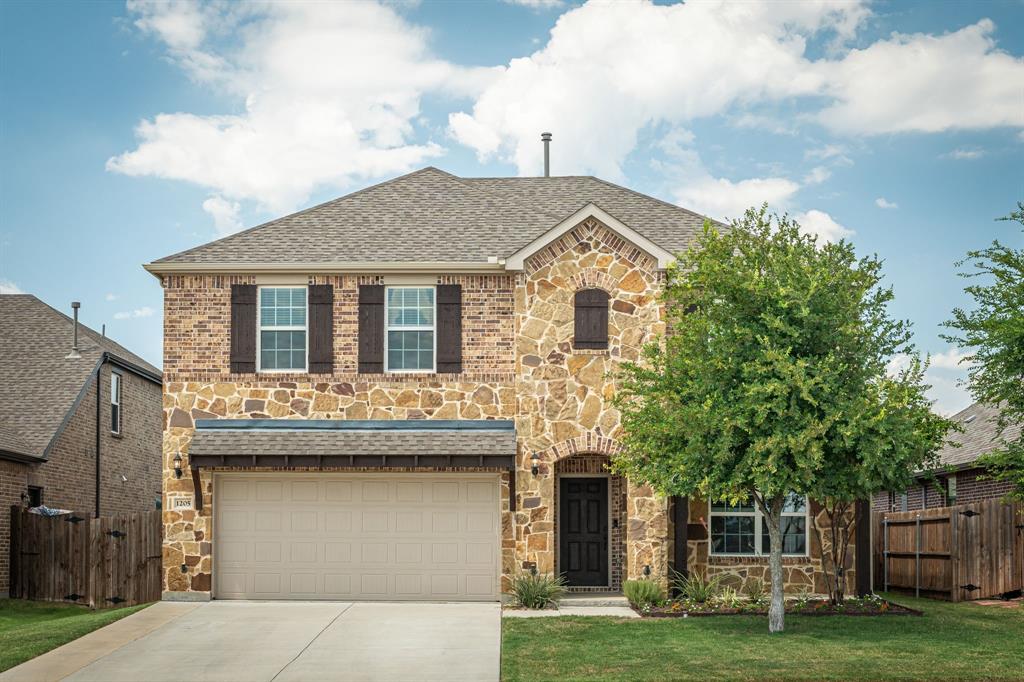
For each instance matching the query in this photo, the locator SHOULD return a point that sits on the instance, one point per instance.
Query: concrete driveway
(283, 641)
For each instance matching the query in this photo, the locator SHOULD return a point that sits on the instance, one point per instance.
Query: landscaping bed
(868, 606)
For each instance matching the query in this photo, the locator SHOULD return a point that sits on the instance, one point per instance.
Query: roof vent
(546, 139)
(74, 354)
(968, 420)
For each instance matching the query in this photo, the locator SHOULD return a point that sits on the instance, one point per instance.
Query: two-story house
(80, 419)
(405, 393)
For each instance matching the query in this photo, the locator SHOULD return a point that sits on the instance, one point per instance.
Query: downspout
(99, 375)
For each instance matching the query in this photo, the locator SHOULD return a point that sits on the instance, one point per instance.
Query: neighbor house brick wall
(68, 477)
(971, 486)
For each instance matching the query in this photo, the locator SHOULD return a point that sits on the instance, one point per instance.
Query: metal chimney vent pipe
(74, 354)
(546, 139)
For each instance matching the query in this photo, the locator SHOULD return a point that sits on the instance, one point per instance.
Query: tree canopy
(773, 377)
(994, 330)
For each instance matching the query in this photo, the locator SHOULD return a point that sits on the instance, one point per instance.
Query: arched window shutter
(591, 319)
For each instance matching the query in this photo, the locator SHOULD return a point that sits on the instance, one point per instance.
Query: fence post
(917, 557)
(885, 549)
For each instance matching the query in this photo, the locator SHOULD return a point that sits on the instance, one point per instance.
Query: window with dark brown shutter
(243, 328)
(321, 329)
(371, 329)
(591, 319)
(449, 328)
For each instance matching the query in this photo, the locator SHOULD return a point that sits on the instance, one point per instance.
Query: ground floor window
(741, 529)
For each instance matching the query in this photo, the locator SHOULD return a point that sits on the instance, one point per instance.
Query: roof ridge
(303, 211)
(653, 198)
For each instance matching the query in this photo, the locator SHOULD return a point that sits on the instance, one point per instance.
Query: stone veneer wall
(802, 574)
(564, 393)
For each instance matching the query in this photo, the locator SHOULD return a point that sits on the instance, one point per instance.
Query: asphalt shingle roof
(433, 216)
(980, 436)
(228, 442)
(39, 383)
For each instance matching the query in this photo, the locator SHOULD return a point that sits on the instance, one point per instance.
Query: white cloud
(329, 94)
(823, 225)
(882, 202)
(835, 153)
(952, 358)
(609, 71)
(725, 199)
(110, 297)
(924, 83)
(964, 154)
(9, 287)
(818, 175)
(144, 311)
(947, 387)
(225, 214)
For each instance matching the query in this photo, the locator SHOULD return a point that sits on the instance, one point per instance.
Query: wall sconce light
(647, 570)
(177, 465)
(534, 466)
(24, 498)
(533, 569)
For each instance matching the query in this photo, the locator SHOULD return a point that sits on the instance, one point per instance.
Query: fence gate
(109, 561)
(970, 551)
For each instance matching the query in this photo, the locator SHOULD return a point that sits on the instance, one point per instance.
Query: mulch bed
(814, 607)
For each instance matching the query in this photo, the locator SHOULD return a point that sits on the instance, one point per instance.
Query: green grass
(30, 628)
(951, 641)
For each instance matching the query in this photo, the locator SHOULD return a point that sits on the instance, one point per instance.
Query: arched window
(590, 328)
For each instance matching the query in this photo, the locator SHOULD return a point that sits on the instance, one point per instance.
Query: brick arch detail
(593, 278)
(589, 443)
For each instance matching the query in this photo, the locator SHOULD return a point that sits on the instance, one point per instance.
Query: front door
(583, 531)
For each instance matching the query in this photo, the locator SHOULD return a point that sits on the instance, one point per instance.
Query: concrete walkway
(288, 641)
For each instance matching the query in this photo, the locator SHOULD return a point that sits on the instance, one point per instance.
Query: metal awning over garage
(363, 444)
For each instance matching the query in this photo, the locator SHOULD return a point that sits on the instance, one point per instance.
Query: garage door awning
(371, 443)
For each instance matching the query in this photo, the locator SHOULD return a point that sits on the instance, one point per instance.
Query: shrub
(695, 587)
(642, 593)
(537, 591)
(755, 591)
(728, 597)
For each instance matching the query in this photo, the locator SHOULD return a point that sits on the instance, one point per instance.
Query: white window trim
(758, 525)
(410, 328)
(120, 414)
(280, 328)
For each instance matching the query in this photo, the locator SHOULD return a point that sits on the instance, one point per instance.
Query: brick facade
(971, 486)
(68, 478)
(518, 363)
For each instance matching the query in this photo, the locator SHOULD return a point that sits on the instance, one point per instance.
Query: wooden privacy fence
(970, 551)
(109, 561)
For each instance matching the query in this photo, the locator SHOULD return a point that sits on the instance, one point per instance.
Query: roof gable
(430, 220)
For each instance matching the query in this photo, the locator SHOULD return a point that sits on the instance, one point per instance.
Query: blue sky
(132, 131)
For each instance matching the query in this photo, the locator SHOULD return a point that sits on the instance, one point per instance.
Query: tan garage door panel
(387, 536)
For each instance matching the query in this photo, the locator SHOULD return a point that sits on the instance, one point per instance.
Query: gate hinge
(115, 600)
(73, 596)
(970, 512)
(970, 587)
(117, 534)
(74, 519)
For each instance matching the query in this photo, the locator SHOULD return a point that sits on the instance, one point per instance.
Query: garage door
(373, 536)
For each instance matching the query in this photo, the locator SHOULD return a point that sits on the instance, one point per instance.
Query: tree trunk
(772, 510)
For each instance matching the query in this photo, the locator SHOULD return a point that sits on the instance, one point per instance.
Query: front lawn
(951, 641)
(30, 628)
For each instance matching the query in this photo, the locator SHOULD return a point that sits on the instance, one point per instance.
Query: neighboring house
(60, 445)
(959, 480)
(404, 393)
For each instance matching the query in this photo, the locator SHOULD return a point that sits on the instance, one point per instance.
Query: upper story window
(590, 322)
(115, 403)
(409, 339)
(281, 342)
(741, 529)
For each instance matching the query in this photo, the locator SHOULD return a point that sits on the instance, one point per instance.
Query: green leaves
(995, 330)
(773, 374)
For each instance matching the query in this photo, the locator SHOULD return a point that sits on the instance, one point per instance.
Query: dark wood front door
(583, 530)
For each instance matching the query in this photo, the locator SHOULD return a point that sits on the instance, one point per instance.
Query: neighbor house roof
(40, 385)
(431, 216)
(980, 436)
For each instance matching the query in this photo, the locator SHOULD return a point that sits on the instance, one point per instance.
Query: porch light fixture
(177, 465)
(647, 569)
(534, 466)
